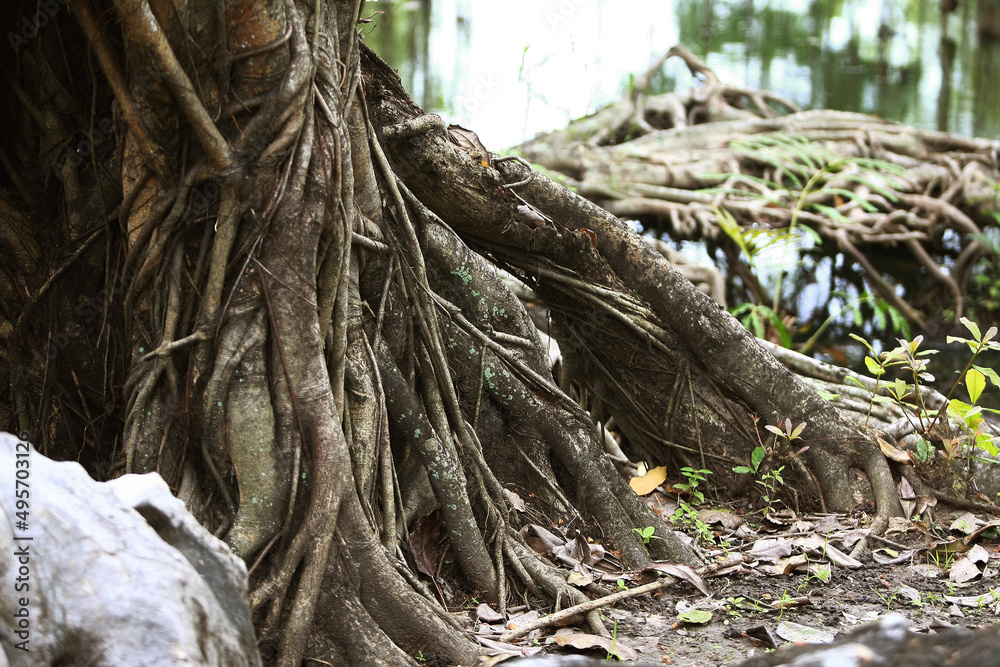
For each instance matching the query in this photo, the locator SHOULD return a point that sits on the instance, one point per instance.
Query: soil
(746, 610)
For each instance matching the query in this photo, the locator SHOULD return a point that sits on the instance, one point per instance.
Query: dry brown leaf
(647, 483)
(893, 453)
(584, 641)
(682, 572)
(423, 543)
(469, 141)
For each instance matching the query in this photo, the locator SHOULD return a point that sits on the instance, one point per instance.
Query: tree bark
(300, 323)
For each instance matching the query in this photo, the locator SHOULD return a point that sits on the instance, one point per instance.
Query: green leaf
(874, 367)
(851, 378)
(742, 470)
(975, 382)
(827, 396)
(985, 441)
(832, 213)
(899, 323)
(899, 388)
(958, 407)
(862, 341)
(757, 456)
(880, 320)
(699, 616)
(872, 184)
(858, 317)
(779, 326)
(853, 196)
(798, 430)
(990, 373)
(972, 327)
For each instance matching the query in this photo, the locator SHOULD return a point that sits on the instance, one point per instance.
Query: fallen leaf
(978, 554)
(965, 523)
(487, 614)
(891, 557)
(728, 520)
(469, 142)
(515, 500)
(645, 484)
(771, 550)
(963, 570)
(908, 593)
(608, 644)
(840, 559)
(423, 543)
(797, 633)
(682, 572)
(579, 576)
(696, 616)
(892, 452)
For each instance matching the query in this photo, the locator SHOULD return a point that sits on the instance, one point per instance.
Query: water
(509, 70)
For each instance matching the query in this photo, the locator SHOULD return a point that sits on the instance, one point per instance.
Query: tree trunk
(294, 315)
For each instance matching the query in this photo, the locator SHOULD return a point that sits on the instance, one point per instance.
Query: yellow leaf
(647, 483)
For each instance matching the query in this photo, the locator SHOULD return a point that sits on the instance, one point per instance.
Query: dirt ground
(936, 573)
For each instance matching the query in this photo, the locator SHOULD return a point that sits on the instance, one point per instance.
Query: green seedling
(647, 534)
(694, 479)
(769, 480)
(908, 395)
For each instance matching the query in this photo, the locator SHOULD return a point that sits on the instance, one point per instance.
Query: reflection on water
(508, 70)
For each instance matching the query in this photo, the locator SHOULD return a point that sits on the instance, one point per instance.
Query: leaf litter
(768, 581)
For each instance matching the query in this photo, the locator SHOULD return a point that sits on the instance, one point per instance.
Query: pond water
(509, 70)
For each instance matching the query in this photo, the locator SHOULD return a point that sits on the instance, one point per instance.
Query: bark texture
(241, 257)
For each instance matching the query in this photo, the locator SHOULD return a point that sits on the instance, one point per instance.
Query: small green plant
(756, 317)
(647, 534)
(769, 480)
(786, 601)
(694, 479)
(933, 598)
(907, 395)
(807, 174)
(621, 585)
(732, 607)
(941, 559)
(420, 656)
(756, 458)
(686, 517)
(614, 641)
(887, 599)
